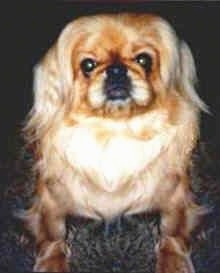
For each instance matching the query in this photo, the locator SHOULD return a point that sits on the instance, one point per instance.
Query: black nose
(117, 83)
(116, 70)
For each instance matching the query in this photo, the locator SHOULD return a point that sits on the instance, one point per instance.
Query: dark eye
(144, 60)
(88, 65)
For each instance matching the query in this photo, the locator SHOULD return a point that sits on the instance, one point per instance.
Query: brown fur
(167, 121)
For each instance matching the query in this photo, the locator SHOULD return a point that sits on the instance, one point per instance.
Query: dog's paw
(173, 258)
(53, 257)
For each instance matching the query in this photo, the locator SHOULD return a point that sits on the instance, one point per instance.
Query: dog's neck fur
(104, 159)
(111, 153)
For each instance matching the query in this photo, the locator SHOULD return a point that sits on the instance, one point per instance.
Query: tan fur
(101, 160)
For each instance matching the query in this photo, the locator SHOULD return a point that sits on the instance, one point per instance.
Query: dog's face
(119, 63)
(122, 65)
(113, 66)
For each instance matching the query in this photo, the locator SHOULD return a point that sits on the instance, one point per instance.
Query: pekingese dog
(113, 125)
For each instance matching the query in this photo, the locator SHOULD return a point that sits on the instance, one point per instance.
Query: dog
(113, 125)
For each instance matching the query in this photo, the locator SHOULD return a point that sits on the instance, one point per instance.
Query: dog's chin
(120, 108)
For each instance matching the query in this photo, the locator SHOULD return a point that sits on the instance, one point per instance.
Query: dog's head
(113, 66)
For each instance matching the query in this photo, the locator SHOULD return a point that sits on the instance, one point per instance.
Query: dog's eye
(144, 60)
(88, 65)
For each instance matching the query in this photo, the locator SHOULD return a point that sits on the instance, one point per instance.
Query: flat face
(118, 64)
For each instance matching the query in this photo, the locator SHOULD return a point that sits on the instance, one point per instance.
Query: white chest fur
(112, 161)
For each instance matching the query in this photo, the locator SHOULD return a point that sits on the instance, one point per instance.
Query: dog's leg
(177, 222)
(173, 257)
(46, 221)
(52, 257)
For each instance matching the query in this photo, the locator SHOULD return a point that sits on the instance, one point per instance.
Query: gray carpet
(125, 245)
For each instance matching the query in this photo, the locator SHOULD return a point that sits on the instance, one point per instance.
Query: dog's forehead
(118, 33)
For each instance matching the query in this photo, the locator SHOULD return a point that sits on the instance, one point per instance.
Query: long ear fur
(47, 100)
(53, 87)
(188, 77)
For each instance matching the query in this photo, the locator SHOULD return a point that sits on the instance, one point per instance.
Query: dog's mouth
(117, 90)
(120, 100)
(119, 95)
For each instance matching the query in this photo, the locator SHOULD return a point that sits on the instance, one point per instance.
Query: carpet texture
(124, 245)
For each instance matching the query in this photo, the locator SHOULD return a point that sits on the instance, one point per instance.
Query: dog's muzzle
(117, 85)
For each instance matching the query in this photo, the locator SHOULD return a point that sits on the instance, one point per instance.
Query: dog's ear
(52, 86)
(188, 77)
(46, 88)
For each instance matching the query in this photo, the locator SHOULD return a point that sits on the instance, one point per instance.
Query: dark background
(30, 28)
